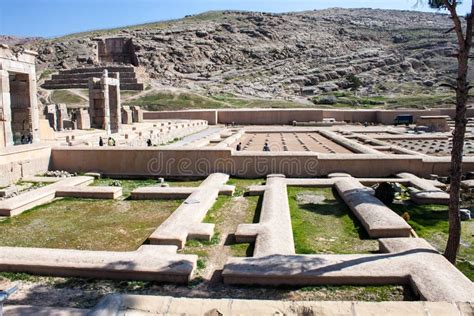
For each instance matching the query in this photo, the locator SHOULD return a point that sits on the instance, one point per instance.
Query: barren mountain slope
(280, 55)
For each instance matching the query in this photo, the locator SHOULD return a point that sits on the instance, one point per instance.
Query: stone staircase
(78, 78)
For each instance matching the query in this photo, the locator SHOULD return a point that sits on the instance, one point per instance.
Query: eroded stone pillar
(5, 109)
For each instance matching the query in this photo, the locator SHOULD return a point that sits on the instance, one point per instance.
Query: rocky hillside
(280, 55)
(14, 40)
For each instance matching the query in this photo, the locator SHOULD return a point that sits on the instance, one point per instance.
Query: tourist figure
(101, 142)
(29, 139)
(23, 139)
(266, 147)
(111, 141)
(239, 147)
(148, 142)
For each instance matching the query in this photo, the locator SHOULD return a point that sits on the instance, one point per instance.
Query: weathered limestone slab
(90, 192)
(273, 234)
(322, 183)
(173, 193)
(348, 143)
(25, 201)
(41, 179)
(186, 221)
(167, 305)
(8, 191)
(126, 115)
(150, 263)
(339, 175)
(467, 184)
(428, 194)
(377, 219)
(436, 123)
(429, 273)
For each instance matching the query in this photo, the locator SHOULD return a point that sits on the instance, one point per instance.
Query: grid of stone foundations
(387, 140)
(381, 140)
(403, 259)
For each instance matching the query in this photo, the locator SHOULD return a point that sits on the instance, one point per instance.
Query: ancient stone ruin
(18, 105)
(104, 102)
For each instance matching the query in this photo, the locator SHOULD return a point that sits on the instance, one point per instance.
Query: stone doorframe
(22, 64)
(104, 102)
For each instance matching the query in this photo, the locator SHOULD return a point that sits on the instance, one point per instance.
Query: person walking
(266, 147)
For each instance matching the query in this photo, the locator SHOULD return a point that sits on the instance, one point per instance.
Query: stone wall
(23, 161)
(148, 162)
(209, 115)
(287, 116)
(117, 50)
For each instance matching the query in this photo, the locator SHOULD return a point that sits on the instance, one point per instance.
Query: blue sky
(49, 18)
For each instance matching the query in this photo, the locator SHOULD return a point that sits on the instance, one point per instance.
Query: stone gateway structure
(19, 115)
(104, 102)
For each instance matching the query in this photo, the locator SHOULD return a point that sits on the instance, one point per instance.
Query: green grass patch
(128, 185)
(419, 99)
(162, 101)
(431, 222)
(380, 293)
(86, 224)
(128, 93)
(327, 226)
(45, 74)
(66, 97)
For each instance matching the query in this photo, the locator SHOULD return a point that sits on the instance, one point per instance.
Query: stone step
(85, 80)
(90, 192)
(126, 86)
(79, 78)
(97, 69)
(87, 75)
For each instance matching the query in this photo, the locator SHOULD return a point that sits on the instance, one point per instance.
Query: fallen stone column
(273, 234)
(148, 263)
(186, 221)
(414, 263)
(428, 193)
(377, 219)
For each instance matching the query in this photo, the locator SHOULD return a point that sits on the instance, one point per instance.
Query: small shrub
(406, 216)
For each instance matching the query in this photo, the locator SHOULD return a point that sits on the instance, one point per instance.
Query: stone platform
(78, 78)
(25, 201)
(377, 219)
(94, 192)
(186, 221)
(412, 261)
(128, 305)
(148, 263)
